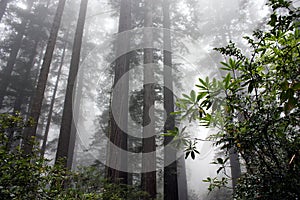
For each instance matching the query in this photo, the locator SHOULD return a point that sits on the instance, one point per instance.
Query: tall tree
(67, 117)
(170, 170)
(7, 71)
(49, 117)
(37, 100)
(32, 45)
(148, 141)
(117, 134)
(3, 5)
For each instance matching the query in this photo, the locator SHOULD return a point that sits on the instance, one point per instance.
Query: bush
(256, 107)
(31, 177)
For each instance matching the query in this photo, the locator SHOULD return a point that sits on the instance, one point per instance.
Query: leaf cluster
(256, 108)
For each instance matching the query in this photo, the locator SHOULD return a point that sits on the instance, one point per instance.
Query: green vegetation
(31, 177)
(256, 109)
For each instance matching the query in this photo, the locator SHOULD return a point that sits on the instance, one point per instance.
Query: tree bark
(117, 159)
(235, 166)
(37, 100)
(148, 141)
(67, 118)
(170, 170)
(181, 177)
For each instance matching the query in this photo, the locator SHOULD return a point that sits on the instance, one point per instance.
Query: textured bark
(181, 177)
(49, 117)
(148, 141)
(235, 166)
(170, 170)
(37, 100)
(118, 135)
(7, 71)
(3, 6)
(67, 118)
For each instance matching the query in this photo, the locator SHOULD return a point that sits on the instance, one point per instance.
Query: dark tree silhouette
(117, 135)
(67, 118)
(170, 171)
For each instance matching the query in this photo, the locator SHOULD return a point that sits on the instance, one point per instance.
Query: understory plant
(255, 108)
(24, 177)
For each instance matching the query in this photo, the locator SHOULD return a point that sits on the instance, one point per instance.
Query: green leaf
(193, 155)
(203, 83)
(250, 87)
(187, 154)
(186, 96)
(193, 95)
(220, 160)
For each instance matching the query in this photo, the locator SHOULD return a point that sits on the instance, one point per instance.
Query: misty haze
(150, 99)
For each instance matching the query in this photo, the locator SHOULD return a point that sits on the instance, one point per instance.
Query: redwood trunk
(67, 118)
(118, 135)
(170, 170)
(235, 166)
(148, 141)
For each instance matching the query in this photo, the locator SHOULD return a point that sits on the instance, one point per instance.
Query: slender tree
(49, 117)
(118, 135)
(148, 141)
(72, 157)
(67, 118)
(37, 100)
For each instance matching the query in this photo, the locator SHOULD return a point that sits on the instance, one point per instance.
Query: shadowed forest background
(149, 99)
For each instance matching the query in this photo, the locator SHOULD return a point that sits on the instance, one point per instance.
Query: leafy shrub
(31, 177)
(256, 107)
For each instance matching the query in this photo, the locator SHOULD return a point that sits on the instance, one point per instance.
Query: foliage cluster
(256, 109)
(31, 177)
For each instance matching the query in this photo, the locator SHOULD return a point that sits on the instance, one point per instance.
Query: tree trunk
(37, 100)
(235, 166)
(118, 124)
(181, 177)
(49, 117)
(72, 158)
(170, 169)
(3, 5)
(67, 118)
(148, 141)
(7, 71)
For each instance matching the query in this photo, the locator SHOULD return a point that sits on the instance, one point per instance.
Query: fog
(196, 27)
